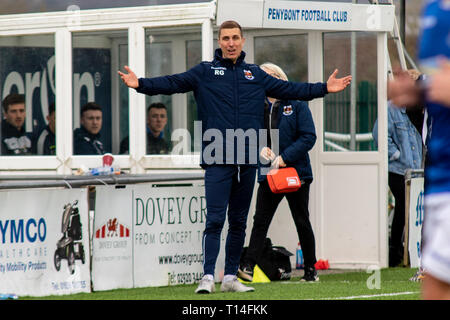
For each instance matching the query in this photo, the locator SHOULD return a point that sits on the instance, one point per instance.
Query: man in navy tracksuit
(230, 94)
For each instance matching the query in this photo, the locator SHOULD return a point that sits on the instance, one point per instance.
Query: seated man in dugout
(46, 141)
(156, 122)
(15, 141)
(86, 139)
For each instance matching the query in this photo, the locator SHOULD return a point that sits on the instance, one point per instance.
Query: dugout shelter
(72, 57)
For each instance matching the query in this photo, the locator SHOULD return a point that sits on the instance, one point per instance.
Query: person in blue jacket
(230, 95)
(404, 152)
(434, 59)
(295, 125)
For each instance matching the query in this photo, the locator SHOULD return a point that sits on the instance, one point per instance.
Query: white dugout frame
(134, 20)
(332, 170)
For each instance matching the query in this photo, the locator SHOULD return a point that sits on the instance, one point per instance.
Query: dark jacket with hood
(86, 143)
(297, 135)
(15, 142)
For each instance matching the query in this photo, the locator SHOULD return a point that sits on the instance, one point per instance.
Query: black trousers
(266, 205)
(397, 186)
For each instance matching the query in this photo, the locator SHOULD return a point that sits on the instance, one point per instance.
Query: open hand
(335, 85)
(129, 79)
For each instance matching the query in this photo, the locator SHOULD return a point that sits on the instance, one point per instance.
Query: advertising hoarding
(149, 236)
(44, 242)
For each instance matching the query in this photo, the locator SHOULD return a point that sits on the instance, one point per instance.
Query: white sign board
(38, 253)
(149, 236)
(416, 211)
(307, 15)
(112, 242)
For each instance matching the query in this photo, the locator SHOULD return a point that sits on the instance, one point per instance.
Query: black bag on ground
(274, 261)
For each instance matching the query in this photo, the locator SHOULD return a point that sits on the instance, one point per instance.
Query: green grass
(331, 286)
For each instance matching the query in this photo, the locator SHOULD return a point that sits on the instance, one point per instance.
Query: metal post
(353, 90)
(402, 20)
(382, 54)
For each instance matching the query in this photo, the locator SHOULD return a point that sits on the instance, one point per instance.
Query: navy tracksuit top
(230, 96)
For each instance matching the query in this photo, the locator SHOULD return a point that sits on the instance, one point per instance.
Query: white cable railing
(73, 181)
(330, 139)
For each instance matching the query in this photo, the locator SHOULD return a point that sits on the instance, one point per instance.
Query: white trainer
(235, 286)
(206, 286)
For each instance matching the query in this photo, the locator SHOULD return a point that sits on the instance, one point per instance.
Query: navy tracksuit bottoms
(226, 187)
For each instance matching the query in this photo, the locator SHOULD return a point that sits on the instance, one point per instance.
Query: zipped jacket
(296, 135)
(230, 96)
(46, 142)
(14, 141)
(86, 143)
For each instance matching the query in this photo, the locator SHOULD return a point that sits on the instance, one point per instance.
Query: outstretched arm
(169, 84)
(287, 90)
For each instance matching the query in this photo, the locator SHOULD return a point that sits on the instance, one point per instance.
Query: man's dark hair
(13, 98)
(230, 24)
(90, 106)
(157, 105)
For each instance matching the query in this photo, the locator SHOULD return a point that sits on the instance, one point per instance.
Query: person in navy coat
(295, 125)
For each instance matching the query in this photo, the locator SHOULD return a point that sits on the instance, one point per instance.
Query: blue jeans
(226, 186)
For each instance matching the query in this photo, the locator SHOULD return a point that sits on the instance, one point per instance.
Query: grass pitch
(385, 284)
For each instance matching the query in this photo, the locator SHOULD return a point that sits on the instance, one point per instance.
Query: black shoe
(395, 256)
(310, 275)
(245, 272)
(395, 260)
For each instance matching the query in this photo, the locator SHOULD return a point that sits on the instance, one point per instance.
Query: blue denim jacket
(404, 141)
